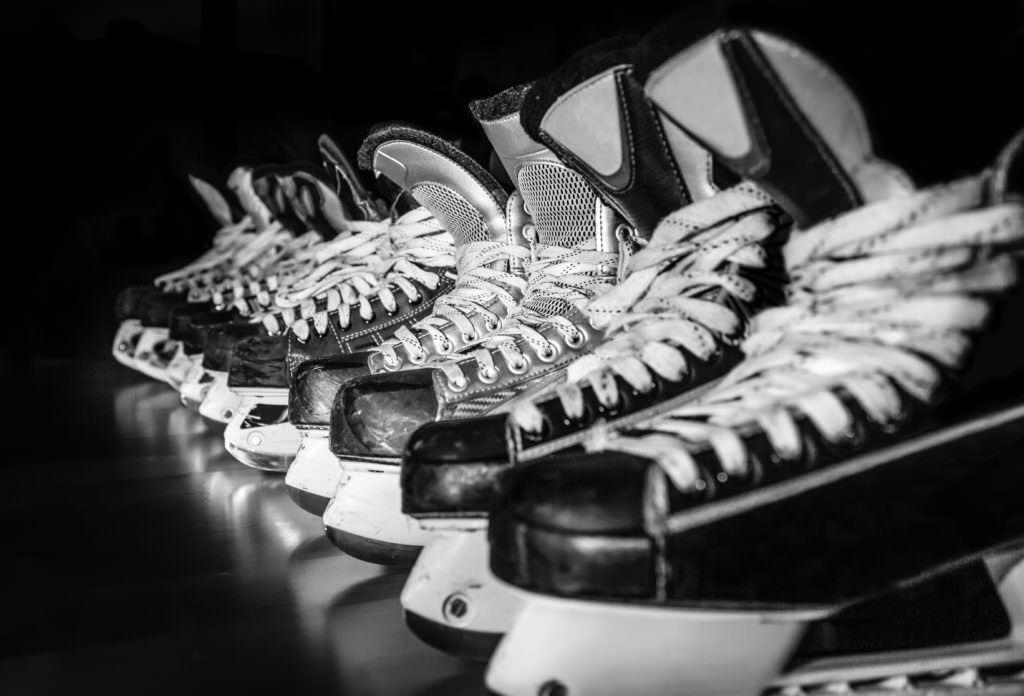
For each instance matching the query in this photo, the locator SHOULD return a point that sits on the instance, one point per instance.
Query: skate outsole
(372, 551)
(310, 502)
(477, 646)
(271, 463)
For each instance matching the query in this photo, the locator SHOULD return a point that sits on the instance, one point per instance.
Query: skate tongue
(457, 190)
(241, 182)
(563, 205)
(355, 200)
(592, 112)
(214, 200)
(320, 205)
(1007, 184)
(773, 113)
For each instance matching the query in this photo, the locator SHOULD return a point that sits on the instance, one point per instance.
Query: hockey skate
(304, 286)
(575, 243)
(415, 274)
(769, 516)
(671, 328)
(491, 256)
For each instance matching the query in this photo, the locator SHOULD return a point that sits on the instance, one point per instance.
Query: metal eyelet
(520, 367)
(488, 376)
(458, 386)
(491, 326)
(469, 337)
(418, 358)
(578, 342)
(445, 347)
(549, 355)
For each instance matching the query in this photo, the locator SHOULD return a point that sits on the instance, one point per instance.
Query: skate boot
(824, 469)
(491, 257)
(172, 289)
(341, 267)
(575, 257)
(417, 273)
(248, 258)
(672, 327)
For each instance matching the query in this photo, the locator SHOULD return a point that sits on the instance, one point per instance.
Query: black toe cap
(376, 414)
(221, 342)
(316, 384)
(259, 363)
(454, 466)
(131, 301)
(574, 526)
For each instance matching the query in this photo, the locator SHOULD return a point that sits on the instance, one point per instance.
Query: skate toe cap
(315, 385)
(574, 526)
(258, 362)
(454, 466)
(376, 414)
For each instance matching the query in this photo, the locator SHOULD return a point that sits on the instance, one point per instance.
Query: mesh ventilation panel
(462, 220)
(561, 202)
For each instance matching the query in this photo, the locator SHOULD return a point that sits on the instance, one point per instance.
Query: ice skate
(576, 241)
(671, 328)
(819, 475)
(353, 317)
(486, 224)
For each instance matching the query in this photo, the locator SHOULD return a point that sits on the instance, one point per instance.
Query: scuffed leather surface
(316, 384)
(192, 324)
(454, 466)
(574, 527)
(259, 362)
(377, 413)
(221, 340)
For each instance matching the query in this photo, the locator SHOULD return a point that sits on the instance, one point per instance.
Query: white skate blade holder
(126, 341)
(562, 646)
(367, 505)
(260, 444)
(218, 403)
(181, 366)
(611, 648)
(315, 473)
(451, 585)
(148, 354)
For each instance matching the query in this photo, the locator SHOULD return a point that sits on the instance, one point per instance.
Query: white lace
(568, 275)
(211, 265)
(881, 300)
(659, 312)
(416, 247)
(477, 287)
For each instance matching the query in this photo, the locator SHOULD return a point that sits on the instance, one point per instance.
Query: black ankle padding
(591, 61)
(500, 105)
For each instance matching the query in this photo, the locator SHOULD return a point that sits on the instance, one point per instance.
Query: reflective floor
(140, 558)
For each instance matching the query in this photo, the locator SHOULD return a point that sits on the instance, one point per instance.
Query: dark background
(110, 103)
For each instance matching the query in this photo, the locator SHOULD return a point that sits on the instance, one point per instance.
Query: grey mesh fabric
(563, 206)
(461, 219)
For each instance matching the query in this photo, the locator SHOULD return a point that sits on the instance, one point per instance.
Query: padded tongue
(1008, 176)
(773, 113)
(457, 190)
(565, 208)
(241, 182)
(356, 201)
(594, 115)
(213, 199)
